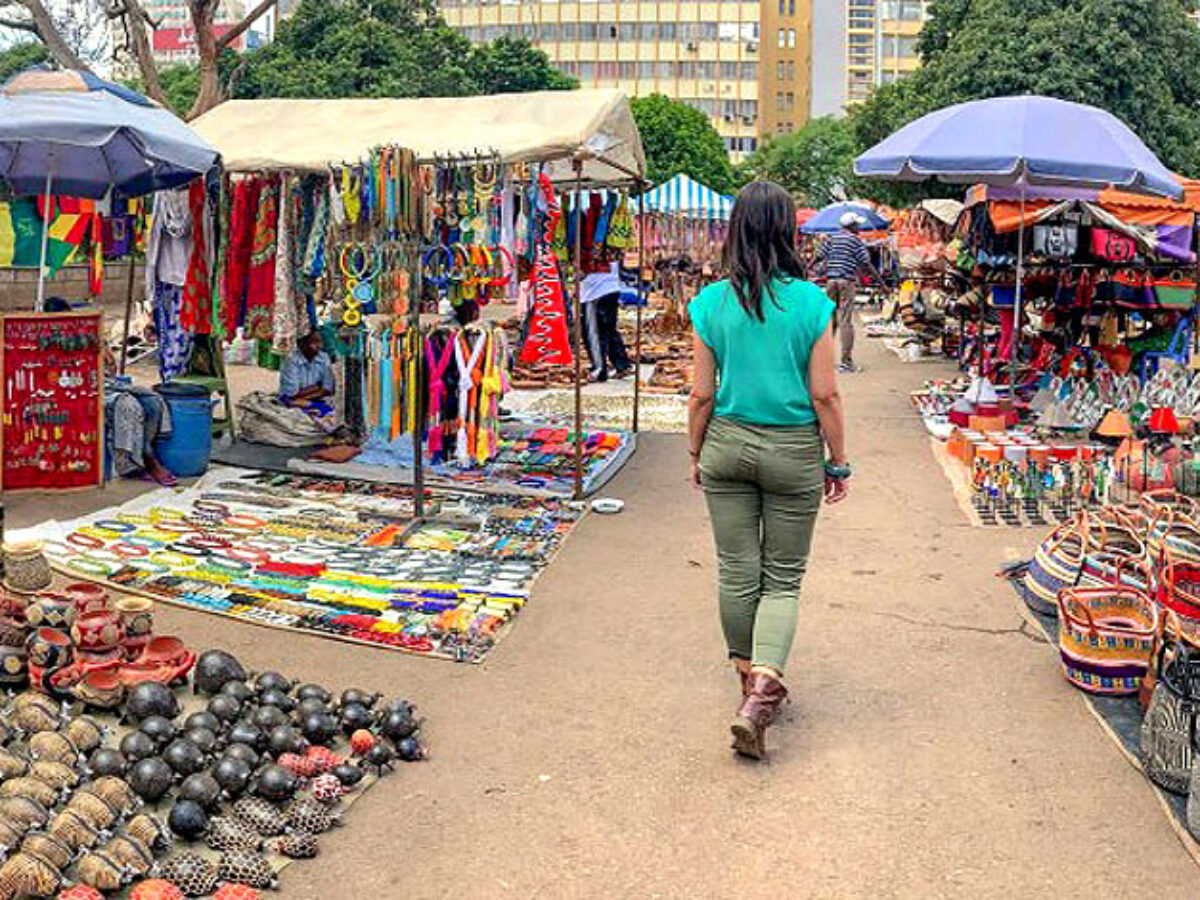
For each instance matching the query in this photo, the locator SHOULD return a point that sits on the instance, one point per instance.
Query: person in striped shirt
(843, 257)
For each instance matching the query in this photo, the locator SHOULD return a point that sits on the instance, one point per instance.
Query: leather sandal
(758, 710)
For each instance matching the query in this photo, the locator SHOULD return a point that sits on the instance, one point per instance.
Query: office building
(744, 63)
(881, 43)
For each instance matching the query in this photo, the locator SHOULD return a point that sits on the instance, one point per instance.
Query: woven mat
(327, 557)
(1121, 719)
(656, 412)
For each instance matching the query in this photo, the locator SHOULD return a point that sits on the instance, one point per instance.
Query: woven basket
(1105, 638)
(1104, 568)
(1177, 589)
(1155, 503)
(1173, 533)
(1055, 565)
(1168, 729)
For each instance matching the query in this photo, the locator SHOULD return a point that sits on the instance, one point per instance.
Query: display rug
(534, 460)
(329, 557)
(1119, 717)
(663, 413)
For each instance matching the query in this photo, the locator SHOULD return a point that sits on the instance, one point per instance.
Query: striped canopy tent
(684, 196)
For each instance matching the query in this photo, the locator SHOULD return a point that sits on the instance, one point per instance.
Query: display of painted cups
(87, 597)
(14, 667)
(101, 688)
(12, 606)
(98, 632)
(137, 615)
(50, 610)
(26, 569)
(49, 648)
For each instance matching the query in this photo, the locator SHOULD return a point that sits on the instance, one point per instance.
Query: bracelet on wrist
(838, 473)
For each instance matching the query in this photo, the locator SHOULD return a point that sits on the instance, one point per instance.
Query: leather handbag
(1111, 246)
(1105, 638)
(1169, 728)
(1056, 241)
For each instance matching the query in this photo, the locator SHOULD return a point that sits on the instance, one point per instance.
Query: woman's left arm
(700, 402)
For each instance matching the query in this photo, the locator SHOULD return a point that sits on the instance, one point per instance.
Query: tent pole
(577, 331)
(128, 310)
(643, 297)
(416, 374)
(41, 288)
(1016, 337)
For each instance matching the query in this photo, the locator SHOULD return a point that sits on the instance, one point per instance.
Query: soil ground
(932, 749)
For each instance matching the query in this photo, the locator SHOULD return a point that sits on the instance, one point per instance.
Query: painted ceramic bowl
(137, 614)
(14, 667)
(87, 597)
(101, 688)
(165, 649)
(49, 648)
(134, 646)
(98, 632)
(48, 610)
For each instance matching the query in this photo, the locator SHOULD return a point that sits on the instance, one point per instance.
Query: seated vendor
(306, 380)
(134, 417)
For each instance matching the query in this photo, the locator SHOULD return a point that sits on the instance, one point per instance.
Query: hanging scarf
(260, 286)
(547, 341)
(174, 341)
(437, 366)
(240, 245)
(285, 321)
(467, 365)
(196, 312)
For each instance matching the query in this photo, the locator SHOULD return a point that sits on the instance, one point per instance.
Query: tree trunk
(46, 30)
(143, 52)
(209, 46)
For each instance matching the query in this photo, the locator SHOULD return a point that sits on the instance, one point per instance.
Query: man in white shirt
(600, 294)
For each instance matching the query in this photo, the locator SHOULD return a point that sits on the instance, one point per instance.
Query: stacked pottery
(50, 610)
(26, 570)
(49, 650)
(137, 618)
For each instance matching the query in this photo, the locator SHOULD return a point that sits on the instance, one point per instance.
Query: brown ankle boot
(745, 679)
(764, 696)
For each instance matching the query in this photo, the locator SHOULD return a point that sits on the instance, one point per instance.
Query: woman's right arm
(827, 402)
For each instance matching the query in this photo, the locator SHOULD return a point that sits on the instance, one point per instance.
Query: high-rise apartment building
(745, 63)
(881, 43)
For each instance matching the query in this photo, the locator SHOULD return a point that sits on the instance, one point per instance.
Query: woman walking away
(767, 440)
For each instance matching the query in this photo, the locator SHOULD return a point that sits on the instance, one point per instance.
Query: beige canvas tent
(555, 127)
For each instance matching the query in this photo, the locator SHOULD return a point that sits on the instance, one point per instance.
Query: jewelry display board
(51, 375)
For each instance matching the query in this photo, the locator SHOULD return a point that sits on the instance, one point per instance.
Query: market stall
(73, 140)
(536, 145)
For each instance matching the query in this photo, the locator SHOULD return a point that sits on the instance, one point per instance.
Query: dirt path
(933, 749)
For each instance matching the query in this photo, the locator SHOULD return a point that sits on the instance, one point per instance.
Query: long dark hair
(761, 245)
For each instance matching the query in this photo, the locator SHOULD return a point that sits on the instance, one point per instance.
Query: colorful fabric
(21, 238)
(196, 311)
(260, 284)
(174, 341)
(237, 257)
(547, 341)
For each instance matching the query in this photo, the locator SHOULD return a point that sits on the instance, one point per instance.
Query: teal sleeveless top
(762, 367)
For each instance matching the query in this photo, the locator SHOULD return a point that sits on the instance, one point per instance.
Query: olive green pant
(763, 487)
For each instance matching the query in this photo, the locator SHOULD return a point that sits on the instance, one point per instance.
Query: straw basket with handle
(1106, 636)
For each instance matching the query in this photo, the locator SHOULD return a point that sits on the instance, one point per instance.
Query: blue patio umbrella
(829, 219)
(1022, 141)
(71, 134)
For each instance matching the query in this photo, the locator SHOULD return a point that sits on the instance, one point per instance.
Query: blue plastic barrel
(186, 451)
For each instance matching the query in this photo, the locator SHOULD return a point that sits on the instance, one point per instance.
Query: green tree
(514, 66)
(1139, 59)
(680, 138)
(813, 163)
(21, 56)
(387, 48)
